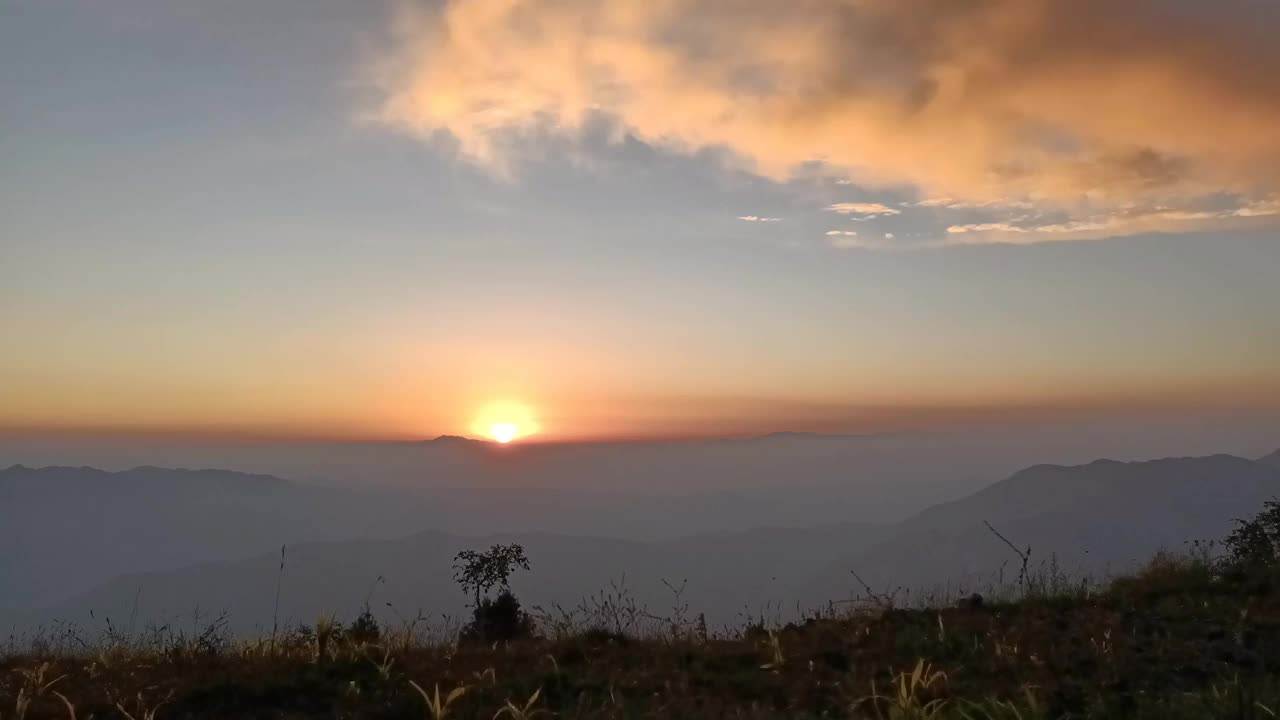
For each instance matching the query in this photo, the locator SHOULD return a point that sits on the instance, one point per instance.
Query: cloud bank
(976, 104)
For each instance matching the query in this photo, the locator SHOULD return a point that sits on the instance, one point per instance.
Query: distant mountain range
(1097, 518)
(65, 530)
(788, 478)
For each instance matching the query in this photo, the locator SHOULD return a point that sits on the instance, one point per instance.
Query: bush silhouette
(365, 628)
(499, 618)
(1255, 543)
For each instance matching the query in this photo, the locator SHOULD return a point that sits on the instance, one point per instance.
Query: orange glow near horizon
(504, 422)
(528, 403)
(672, 420)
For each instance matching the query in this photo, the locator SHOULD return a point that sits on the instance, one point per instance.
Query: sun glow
(505, 422)
(504, 432)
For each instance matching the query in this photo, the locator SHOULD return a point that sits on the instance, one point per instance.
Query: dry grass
(1176, 640)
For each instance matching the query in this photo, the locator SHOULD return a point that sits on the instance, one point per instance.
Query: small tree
(1255, 543)
(478, 572)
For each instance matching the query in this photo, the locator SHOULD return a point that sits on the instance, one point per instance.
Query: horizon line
(984, 418)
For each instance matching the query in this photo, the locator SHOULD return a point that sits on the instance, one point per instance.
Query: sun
(505, 422)
(504, 432)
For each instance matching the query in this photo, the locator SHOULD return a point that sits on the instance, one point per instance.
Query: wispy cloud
(757, 218)
(1264, 208)
(1111, 223)
(864, 209)
(846, 239)
(953, 204)
(985, 227)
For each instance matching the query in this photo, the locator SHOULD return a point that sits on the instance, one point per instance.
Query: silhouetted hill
(1273, 459)
(456, 440)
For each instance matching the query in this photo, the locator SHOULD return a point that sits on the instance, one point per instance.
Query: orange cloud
(984, 103)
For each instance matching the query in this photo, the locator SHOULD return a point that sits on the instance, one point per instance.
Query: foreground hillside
(1180, 639)
(1187, 636)
(1195, 634)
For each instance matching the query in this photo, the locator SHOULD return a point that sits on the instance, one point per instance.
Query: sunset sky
(608, 218)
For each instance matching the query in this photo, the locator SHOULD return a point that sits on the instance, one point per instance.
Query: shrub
(365, 628)
(1255, 543)
(499, 618)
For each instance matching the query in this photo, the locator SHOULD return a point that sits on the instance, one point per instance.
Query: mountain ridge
(1098, 532)
(1273, 459)
(1094, 518)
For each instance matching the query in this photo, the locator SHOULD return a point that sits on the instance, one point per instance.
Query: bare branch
(1024, 556)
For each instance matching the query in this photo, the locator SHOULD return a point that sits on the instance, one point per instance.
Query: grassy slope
(1174, 641)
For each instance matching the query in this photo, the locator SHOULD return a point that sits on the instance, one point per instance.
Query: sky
(602, 219)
